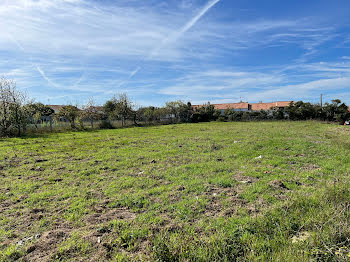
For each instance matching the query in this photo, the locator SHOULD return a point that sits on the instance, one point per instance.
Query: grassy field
(270, 191)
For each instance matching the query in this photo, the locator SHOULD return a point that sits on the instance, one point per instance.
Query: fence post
(50, 124)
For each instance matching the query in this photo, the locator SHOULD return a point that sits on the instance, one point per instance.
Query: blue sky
(67, 51)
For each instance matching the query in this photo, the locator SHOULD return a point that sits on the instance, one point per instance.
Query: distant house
(97, 109)
(241, 106)
(267, 106)
(56, 108)
(245, 106)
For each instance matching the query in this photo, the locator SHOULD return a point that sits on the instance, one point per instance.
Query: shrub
(221, 119)
(105, 125)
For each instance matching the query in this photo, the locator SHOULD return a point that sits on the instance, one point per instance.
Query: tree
(110, 106)
(70, 113)
(91, 112)
(173, 109)
(204, 113)
(336, 111)
(124, 108)
(301, 111)
(179, 111)
(148, 114)
(12, 110)
(278, 113)
(189, 112)
(120, 108)
(37, 111)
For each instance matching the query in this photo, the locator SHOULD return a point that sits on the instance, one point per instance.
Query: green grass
(189, 192)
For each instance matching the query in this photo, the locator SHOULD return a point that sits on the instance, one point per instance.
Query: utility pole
(321, 101)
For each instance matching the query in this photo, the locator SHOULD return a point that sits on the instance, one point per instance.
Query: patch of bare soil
(246, 179)
(102, 216)
(311, 167)
(298, 183)
(46, 246)
(40, 160)
(13, 162)
(277, 184)
(9, 204)
(215, 208)
(5, 205)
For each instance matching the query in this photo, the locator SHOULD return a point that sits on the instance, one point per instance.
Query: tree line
(17, 112)
(335, 111)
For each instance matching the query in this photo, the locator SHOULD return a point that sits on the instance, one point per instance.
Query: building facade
(245, 106)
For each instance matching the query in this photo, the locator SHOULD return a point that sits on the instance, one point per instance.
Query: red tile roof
(56, 108)
(96, 108)
(268, 106)
(249, 106)
(241, 105)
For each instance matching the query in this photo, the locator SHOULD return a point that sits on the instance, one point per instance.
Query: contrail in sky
(38, 68)
(43, 75)
(185, 28)
(10, 36)
(173, 37)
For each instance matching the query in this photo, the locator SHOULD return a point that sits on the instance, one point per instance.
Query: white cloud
(308, 91)
(91, 46)
(87, 28)
(77, 28)
(227, 82)
(232, 85)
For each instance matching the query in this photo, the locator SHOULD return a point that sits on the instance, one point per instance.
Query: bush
(105, 125)
(221, 119)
